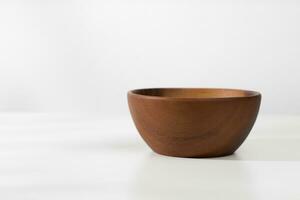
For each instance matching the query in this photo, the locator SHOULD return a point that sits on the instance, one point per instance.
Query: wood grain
(194, 122)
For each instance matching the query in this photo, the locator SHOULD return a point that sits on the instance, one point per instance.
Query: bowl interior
(194, 93)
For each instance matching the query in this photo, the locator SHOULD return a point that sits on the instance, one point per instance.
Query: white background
(79, 58)
(83, 56)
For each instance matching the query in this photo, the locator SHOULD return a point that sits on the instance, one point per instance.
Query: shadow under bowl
(194, 122)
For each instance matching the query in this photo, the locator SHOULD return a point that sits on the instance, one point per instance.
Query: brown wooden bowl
(190, 122)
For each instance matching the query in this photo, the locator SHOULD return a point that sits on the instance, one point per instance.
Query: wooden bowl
(194, 122)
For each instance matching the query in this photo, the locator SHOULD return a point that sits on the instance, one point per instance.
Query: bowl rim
(252, 94)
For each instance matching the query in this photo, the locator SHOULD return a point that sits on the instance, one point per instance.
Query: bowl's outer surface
(194, 128)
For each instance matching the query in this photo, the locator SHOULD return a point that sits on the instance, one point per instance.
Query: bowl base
(216, 155)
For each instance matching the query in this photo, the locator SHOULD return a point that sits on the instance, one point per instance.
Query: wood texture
(194, 122)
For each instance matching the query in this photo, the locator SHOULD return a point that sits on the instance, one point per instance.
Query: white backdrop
(83, 56)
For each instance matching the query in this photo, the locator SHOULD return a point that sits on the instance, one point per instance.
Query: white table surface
(56, 156)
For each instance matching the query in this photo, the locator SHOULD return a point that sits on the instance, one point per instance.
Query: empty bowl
(194, 122)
